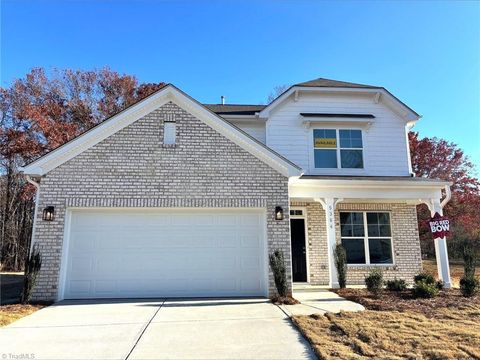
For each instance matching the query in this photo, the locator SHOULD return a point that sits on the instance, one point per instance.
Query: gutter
(37, 197)
(448, 196)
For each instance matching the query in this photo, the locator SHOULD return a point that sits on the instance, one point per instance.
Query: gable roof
(234, 109)
(168, 93)
(322, 82)
(329, 85)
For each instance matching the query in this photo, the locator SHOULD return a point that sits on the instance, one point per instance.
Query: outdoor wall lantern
(278, 213)
(49, 213)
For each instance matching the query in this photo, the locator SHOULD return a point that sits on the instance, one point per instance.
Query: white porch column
(329, 205)
(441, 252)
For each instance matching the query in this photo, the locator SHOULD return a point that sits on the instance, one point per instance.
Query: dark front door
(299, 257)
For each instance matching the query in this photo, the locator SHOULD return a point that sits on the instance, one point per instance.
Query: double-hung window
(367, 237)
(338, 148)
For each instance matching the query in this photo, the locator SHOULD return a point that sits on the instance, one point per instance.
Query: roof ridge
(206, 104)
(325, 82)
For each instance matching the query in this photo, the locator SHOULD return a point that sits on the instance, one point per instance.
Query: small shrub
(469, 286)
(396, 285)
(277, 264)
(340, 256)
(469, 259)
(424, 289)
(424, 277)
(440, 285)
(374, 281)
(32, 267)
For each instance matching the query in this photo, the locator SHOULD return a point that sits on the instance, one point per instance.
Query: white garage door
(126, 254)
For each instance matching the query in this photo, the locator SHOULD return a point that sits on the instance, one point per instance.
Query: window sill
(371, 266)
(337, 171)
(169, 146)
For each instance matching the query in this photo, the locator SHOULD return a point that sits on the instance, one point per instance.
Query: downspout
(37, 197)
(448, 196)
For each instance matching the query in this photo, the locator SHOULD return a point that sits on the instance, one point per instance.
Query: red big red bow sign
(439, 226)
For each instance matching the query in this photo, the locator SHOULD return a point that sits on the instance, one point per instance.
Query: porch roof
(367, 188)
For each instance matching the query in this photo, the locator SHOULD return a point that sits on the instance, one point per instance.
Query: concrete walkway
(319, 301)
(160, 329)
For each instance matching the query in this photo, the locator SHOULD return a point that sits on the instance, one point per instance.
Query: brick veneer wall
(406, 242)
(132, 168)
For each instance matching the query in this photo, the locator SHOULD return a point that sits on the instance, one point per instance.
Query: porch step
(308, 287)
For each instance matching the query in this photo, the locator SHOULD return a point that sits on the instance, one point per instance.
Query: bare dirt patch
(11, 313)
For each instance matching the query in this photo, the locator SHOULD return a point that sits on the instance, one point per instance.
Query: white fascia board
(406, 113)
(169, 93)
(367, 189)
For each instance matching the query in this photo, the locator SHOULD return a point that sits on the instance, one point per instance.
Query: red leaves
(440, 159)
(41, 112)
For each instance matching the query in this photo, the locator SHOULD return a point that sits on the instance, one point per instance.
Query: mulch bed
(284, 300)
(404, 301)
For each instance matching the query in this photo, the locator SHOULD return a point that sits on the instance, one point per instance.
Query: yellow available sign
(326, 143)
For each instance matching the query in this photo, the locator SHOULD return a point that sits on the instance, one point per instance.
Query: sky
(425, 53)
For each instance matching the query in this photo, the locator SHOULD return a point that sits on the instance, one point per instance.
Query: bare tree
(39, 113)
(276, 92)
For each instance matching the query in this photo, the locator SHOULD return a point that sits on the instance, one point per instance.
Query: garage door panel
(247, 220)
(150, 254)
(80, 287)
(226, 220)
(80, 266)
(250, 262)
(83, 240)
(250, 285)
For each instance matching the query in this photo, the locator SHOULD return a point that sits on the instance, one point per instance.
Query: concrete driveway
(159, 329)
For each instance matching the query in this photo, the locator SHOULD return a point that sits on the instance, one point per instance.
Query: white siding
(255, 128)
(385, 146)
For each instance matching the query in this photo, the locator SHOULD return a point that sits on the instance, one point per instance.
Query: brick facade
(132, 168)
(405, 239)
(406, 242)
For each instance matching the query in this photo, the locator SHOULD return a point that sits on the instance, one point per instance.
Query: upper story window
(338, 148)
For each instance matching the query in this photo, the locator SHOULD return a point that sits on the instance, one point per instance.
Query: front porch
(374, 219)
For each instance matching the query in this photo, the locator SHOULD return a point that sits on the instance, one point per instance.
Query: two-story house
(171, 197)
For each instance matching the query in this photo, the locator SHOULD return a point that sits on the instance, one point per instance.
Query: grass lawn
(11, 313)
(396, 326)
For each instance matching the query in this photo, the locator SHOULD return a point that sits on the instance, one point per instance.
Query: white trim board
(135, 112)
(378, 94)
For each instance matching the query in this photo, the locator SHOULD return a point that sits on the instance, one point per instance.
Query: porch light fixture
(48, 213)
(278, 213)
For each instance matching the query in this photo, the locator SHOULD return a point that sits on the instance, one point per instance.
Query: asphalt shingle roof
(235, 109)
(321, 82)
